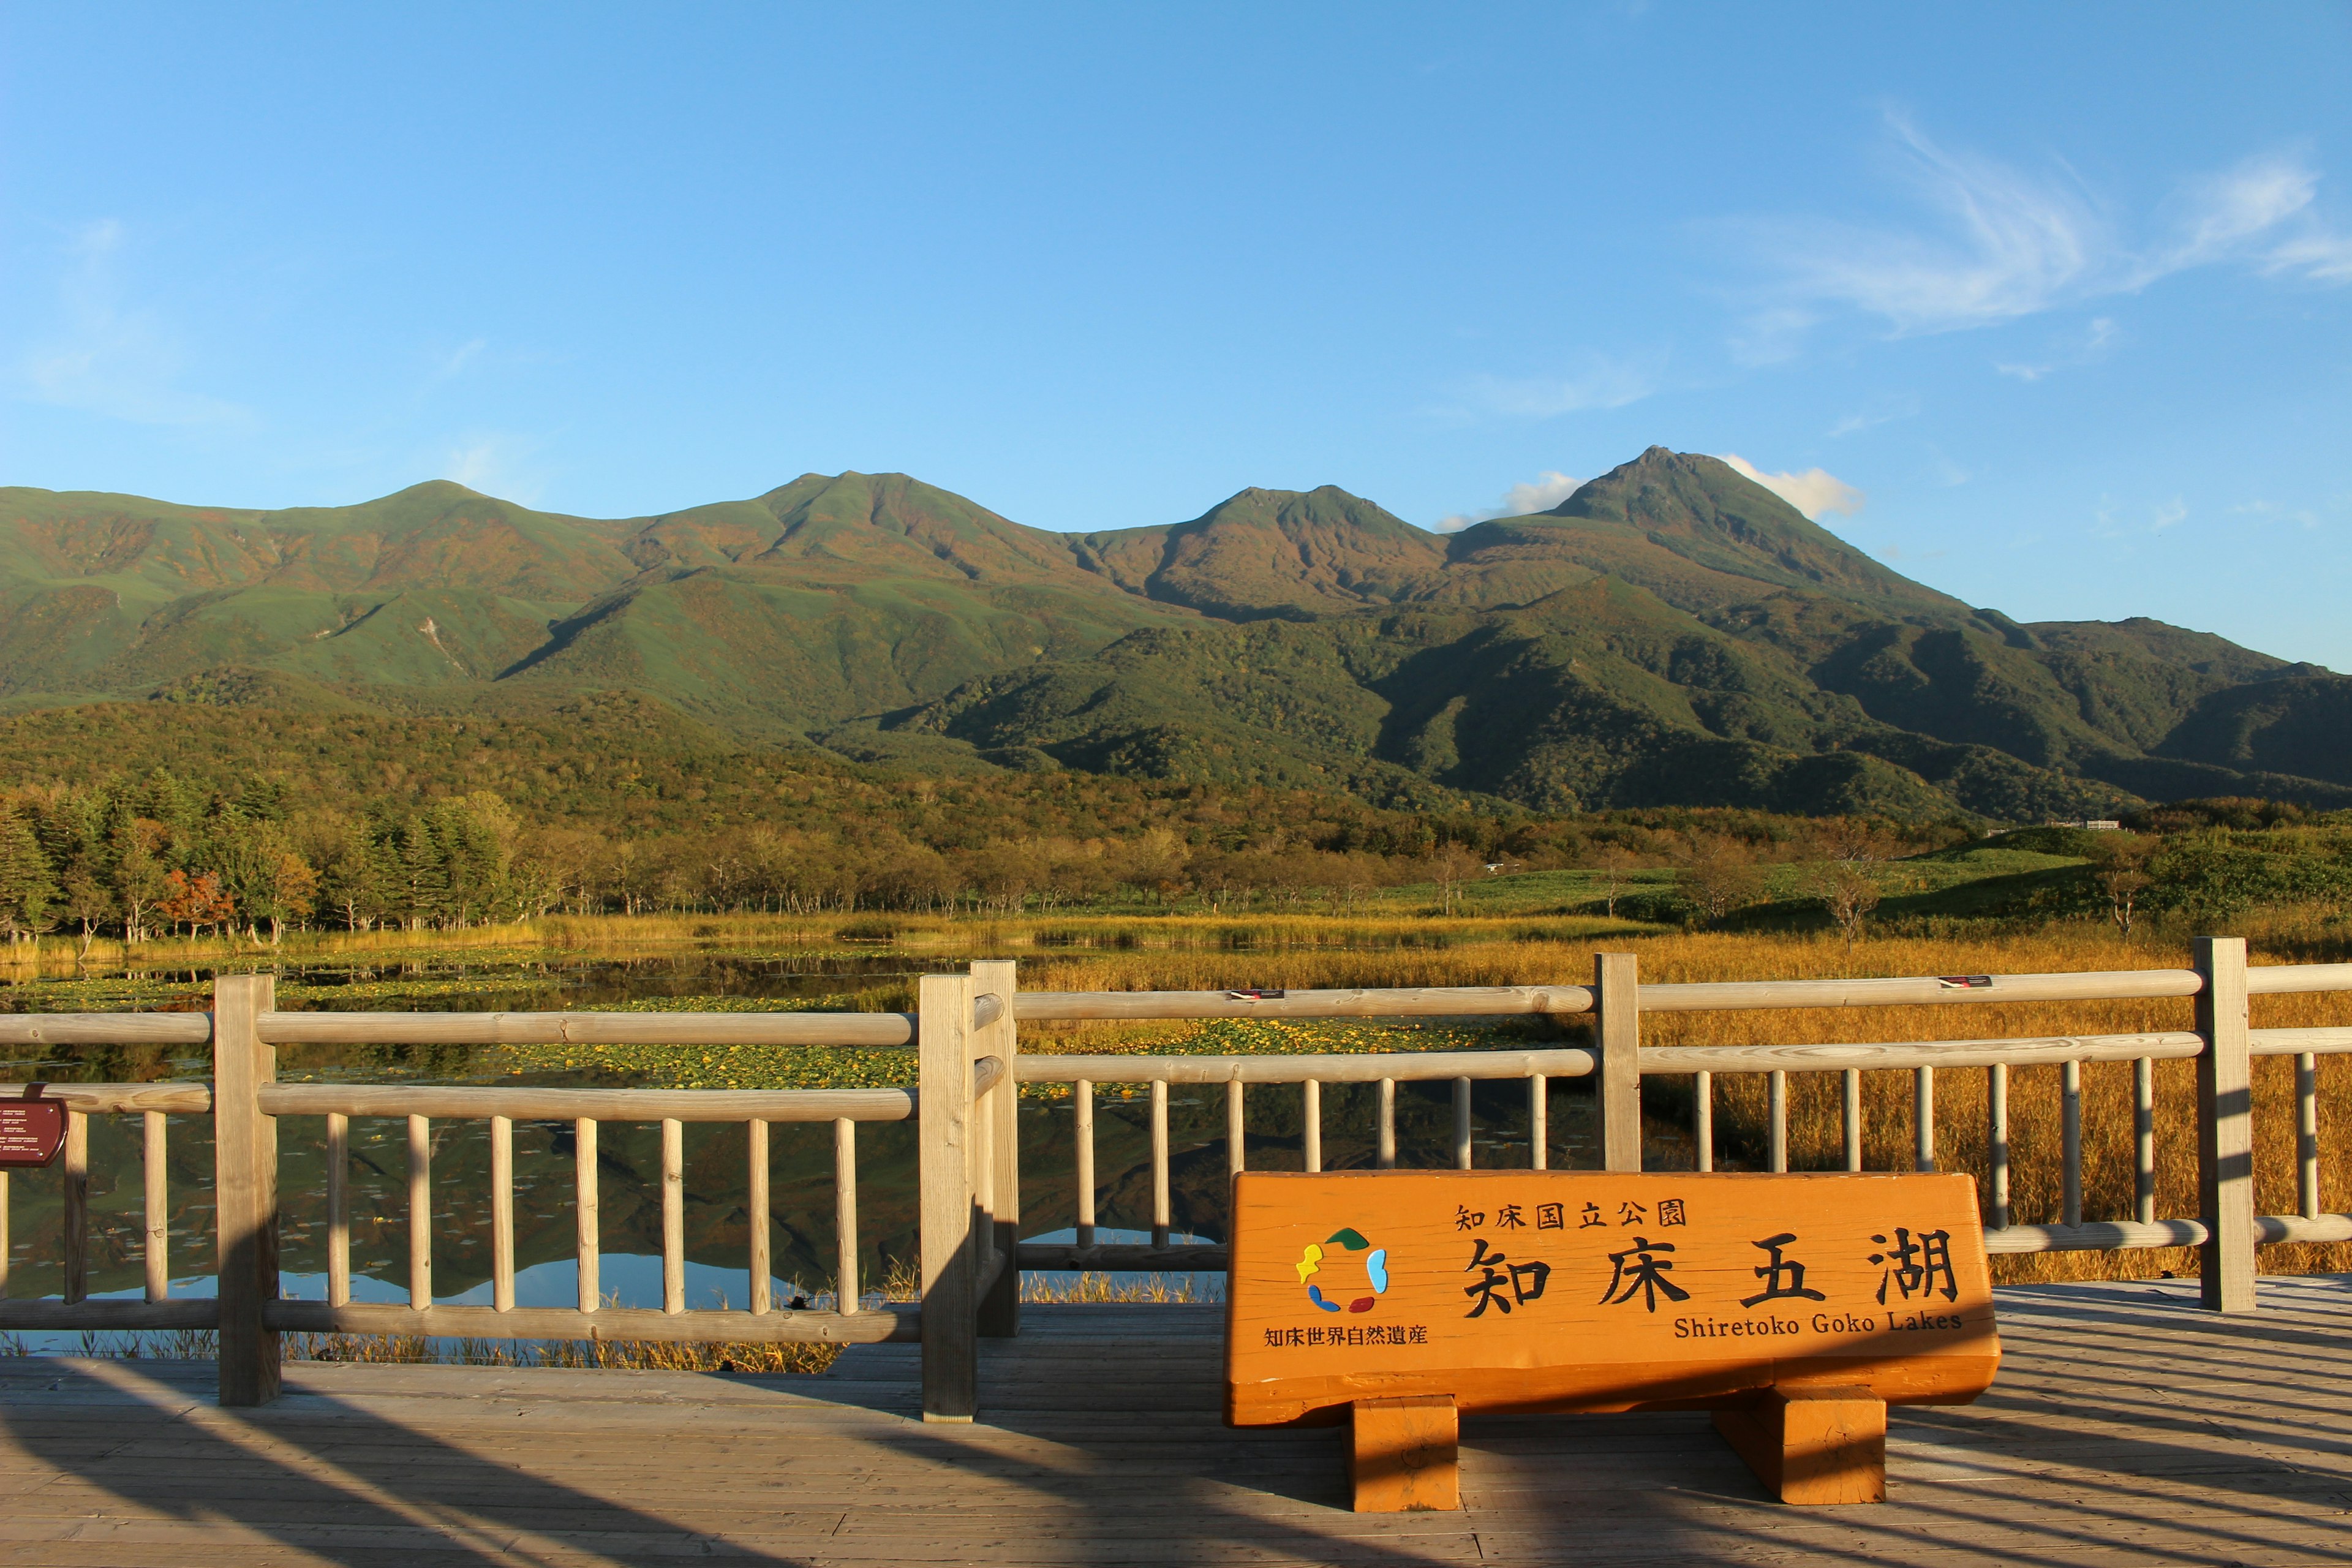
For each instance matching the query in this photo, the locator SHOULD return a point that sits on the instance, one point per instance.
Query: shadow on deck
(2128, 1427)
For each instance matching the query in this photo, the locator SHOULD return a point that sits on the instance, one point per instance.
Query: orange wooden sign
(1534, 1290)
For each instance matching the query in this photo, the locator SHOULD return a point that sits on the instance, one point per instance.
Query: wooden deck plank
(2128, 1427)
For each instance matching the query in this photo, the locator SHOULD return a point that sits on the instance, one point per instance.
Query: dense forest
(148, 819)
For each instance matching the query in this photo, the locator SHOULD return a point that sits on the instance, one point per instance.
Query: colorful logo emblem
(1375, 1269)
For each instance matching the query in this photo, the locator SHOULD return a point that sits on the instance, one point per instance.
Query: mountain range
(1672, 632)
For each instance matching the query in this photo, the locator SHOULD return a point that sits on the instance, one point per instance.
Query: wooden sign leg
(1813, 1446)
(1404, 1454)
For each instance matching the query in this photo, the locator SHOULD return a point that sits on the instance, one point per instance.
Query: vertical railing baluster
(1998, 1215)
(339, 1209)
(2226, 1265)
(1236, 1132)
(502, 1229)
(1850, 1116)
(2307, 1134)
(2070, 1130)
(949, 1291)
(77, 1206)
(999, 1307)
(420, 1213)
(673, 1195)
(156, 1205)
(1385, 1152)
(1617, 1035)
(1923, 1119)
(1539, 1122)
(1082, 1100)
(1703, 1120)
(245, 1190)
(2144, 1140)
(983, 1135)
(845, 1293)
(4, 1236)
(585, 1199)
(1159, 1161)
(1460, 1123)
(1775, 1105)
(759, 1262)
(1310, 1124)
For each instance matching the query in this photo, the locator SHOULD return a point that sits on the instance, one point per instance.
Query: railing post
(2225, 1139)
(1616, 1029)
(999, 1309)
(943, 1110)
(245, 1186)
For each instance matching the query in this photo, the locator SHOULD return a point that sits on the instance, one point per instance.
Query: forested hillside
(1671, 634)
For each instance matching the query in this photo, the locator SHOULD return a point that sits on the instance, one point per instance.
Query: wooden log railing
(968, 1070)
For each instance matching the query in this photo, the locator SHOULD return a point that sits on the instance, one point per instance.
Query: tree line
(161, 854)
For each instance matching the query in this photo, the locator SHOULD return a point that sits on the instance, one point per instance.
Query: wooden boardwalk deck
(2126, 1428)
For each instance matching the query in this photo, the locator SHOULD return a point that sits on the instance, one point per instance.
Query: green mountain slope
(1673, 633)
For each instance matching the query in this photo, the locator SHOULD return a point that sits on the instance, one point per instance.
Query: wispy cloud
(496, 463)
(1541, 493)
(1878, 411)
(2090, 345)
(1813, 493)
(1598, 380)
(106, 356)
(1999, 243)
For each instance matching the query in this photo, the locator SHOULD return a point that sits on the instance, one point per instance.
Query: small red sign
(32, 1130)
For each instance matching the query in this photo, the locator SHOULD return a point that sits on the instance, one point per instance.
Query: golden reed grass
(1814, 1122)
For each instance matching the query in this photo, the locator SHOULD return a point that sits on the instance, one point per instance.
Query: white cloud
(1539, 494)
(1601, 382)
(2322, 258)
(105, 357)
(1812, 492)
(2001, 243)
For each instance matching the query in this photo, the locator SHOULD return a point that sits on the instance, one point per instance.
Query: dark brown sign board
(32, 1131)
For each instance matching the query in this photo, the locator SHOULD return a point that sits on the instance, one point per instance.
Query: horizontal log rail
(120, 1099)
(1894, 1053)
(1369, 1068)
(1419, 1002)
(462, 1103)
(130, 1317)
(875, 1326)
(105, 1028)
(588, 1028)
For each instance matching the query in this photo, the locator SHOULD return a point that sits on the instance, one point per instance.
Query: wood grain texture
(702, 1326)
(1520, 1290)
(1404, 1456)
(2225, 1127)
(1411, 1065)
(584, 1028)
(2127, 1427)
(1728, 995)
(1914, 1053)
(1813, 1446)
(1405, 1002)
(944, 1149)
(640, 1105)
(244, 1193)
(999, 1039)
(1618, 1032)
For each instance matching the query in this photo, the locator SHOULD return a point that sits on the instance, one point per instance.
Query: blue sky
(2046, 305)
